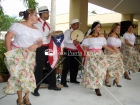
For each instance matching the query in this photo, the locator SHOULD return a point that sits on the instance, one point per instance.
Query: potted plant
(4, 74)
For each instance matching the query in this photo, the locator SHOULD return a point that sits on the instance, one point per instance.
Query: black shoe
(98, 92)
(54, 88)
(77, 82)
(65, 85)
(35, 93)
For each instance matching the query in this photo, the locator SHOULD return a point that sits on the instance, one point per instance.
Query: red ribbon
(80, 49)
(45, 23)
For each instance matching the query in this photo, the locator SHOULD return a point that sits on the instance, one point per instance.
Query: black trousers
(69, 63)
(41, 61)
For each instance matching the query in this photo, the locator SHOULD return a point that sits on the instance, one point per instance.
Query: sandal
(127, 77)
(107, 84)
(117, 83)
(98, 92)
(26, 101)
(20, 103)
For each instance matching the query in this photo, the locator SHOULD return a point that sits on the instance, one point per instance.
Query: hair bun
(21, 13)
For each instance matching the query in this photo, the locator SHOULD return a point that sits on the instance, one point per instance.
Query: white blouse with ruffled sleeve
(130, 37)
(111, 41)
(95, 42)
(24, 36)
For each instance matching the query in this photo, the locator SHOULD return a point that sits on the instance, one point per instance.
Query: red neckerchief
(45, 23)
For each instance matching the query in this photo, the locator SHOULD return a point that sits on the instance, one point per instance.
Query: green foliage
(30, 3)
(3, 68)
(60, 62)
(1, 16)
(6, 22)
(94, 12)
(80, 63)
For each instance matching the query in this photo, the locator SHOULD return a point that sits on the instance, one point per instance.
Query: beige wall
(138, 27)
(62, 18)
(108, 28)
(62, 27)
(105, 18)
(79, 10)
(62, 21)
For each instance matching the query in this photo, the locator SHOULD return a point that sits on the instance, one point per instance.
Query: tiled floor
(128, 94)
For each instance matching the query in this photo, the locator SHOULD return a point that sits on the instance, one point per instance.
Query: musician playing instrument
(71, 61)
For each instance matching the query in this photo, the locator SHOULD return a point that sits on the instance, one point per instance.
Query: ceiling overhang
(120, 6)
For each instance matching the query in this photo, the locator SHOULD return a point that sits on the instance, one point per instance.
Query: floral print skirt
(94, 70)
(131, 58)
(20, 63)
(116, 66)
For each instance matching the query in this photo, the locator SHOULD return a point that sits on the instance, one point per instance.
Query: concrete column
(126, 17)
(138, 27)
(79, 10)
(53, 15)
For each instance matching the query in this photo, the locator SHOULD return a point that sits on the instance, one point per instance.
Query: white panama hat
(75, 21)
(43, 9)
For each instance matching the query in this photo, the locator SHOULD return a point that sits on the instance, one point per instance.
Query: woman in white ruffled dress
(115, 60)
(130, 52)
(95, 65)
(20, 56)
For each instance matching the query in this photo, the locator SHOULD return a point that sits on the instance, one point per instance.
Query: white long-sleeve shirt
(68, 43)
(46, 31)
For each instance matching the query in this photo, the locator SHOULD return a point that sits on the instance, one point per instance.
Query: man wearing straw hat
(70, 62)
(41, 58)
